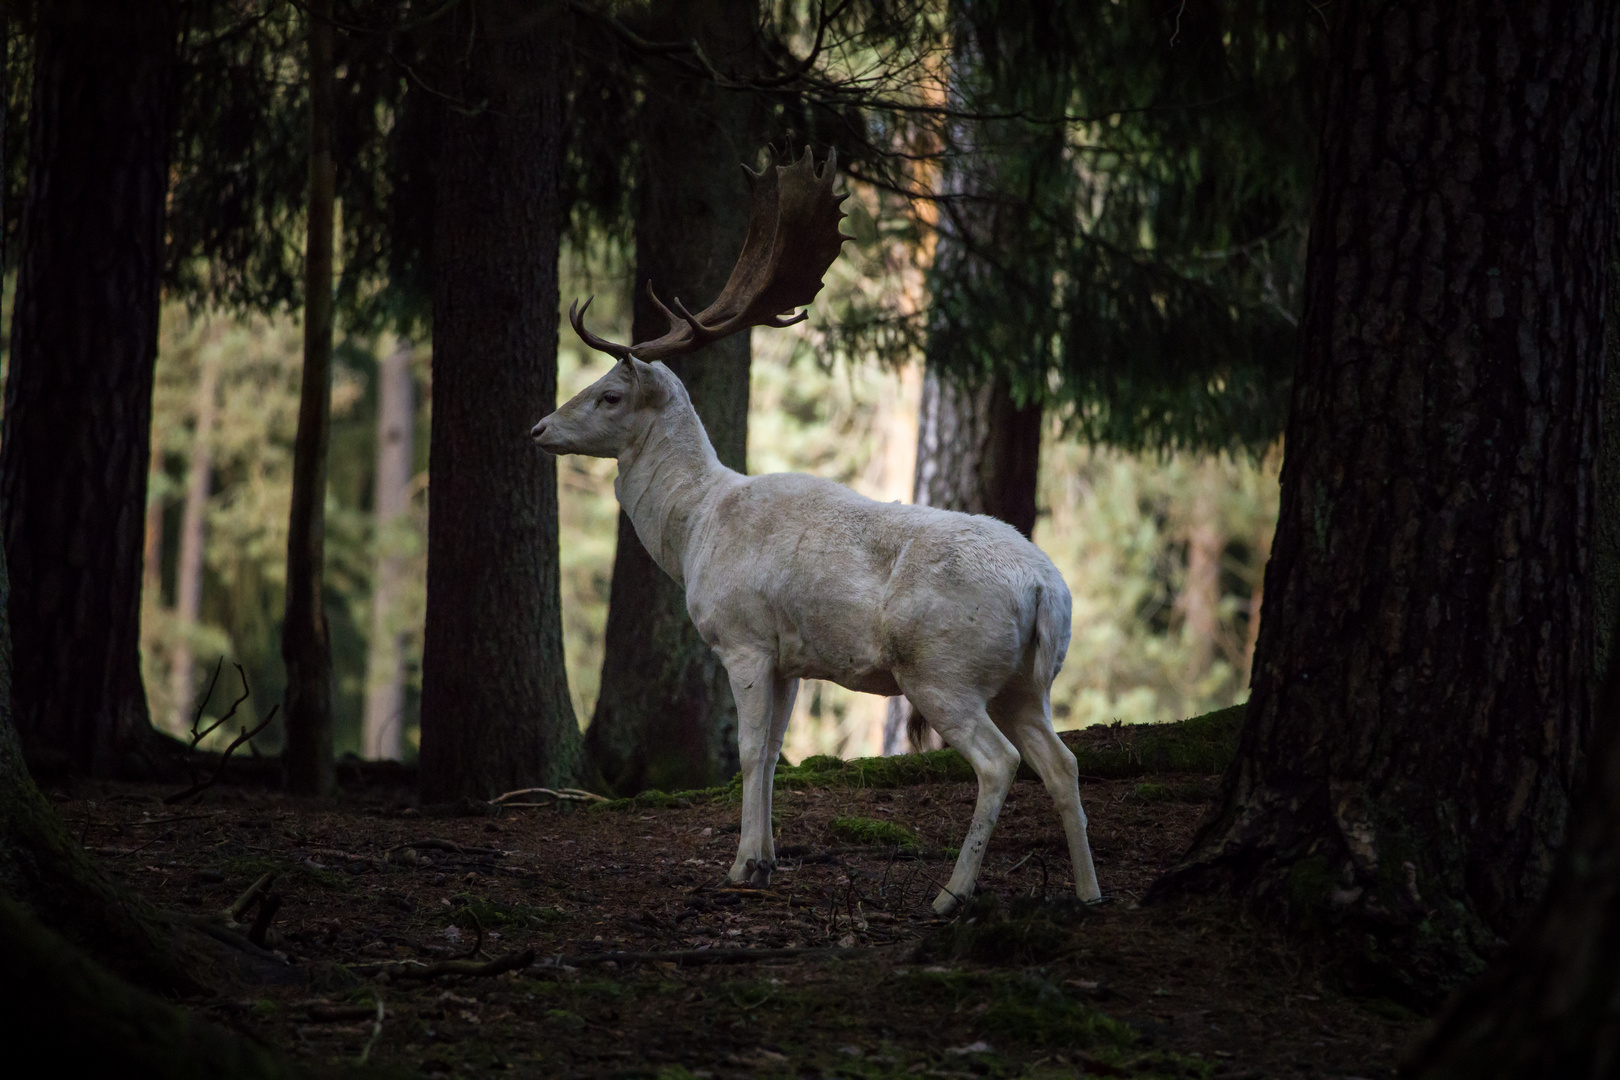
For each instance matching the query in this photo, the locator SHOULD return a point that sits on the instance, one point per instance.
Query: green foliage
(1029, 931)
(859, 830)
(1153, 793)
(250, 450)
(1145, 256)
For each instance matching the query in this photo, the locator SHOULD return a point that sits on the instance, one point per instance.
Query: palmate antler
(793, 237)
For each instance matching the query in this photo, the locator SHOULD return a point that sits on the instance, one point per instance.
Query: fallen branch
(239, 907)
(405, 969)
(566, 794)
(702, 957)
(444, 845)
(200, 786)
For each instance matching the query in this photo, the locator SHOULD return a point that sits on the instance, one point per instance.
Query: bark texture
(1420, 701)
(383, 732)
(45, 870)
(977, 450)
(495, 708)
(78, 399)
(665, 716)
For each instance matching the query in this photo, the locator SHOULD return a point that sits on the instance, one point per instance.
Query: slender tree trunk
(1257, 599)
(1420, 701)
(1201, 593)
(495, 708)
(74, 449)
(188, 579)
(306, 646)
(152, 538)
(383, 736)
(665, 717)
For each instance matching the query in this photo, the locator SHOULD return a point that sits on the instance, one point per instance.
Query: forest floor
(1015, 988)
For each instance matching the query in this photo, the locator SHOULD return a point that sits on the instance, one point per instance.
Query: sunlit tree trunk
(1200, 597)
(74, 450)
(189, 574)
(665, 717)
(496, 714)
(1420, 704)
(383, 735)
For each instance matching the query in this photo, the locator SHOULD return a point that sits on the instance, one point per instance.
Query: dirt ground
(1014, 988)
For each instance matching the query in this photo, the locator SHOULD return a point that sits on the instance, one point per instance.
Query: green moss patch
(1203, 745)
(1024, 1009)
(860, 830)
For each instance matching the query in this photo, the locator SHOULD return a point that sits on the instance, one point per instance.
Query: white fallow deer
(793, 577)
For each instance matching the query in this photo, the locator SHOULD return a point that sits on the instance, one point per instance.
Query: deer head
(792, 238)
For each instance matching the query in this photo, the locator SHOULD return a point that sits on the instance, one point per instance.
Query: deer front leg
(754, 686)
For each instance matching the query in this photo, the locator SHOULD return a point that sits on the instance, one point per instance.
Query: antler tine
(793, 237)
(576, 317)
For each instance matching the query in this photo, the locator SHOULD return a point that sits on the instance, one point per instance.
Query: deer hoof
(946, 902)
(759, 871)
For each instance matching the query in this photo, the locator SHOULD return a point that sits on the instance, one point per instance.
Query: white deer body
(790, 576)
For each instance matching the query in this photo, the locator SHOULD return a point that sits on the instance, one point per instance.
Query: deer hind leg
(1026, 718)
(961, 720)
(760, 693)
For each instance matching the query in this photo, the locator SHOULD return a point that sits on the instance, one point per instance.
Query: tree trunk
(978, 451)
(1200, 597)
(48, 988)
(306, 646)
(189, 575)
(495, 708)
(665, 717)
(78, 409)
(1420, 701)
(45, 869)
(383, 736)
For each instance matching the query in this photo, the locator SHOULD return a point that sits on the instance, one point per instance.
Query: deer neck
(664, 484)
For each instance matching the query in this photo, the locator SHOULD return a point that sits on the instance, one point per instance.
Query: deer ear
(647, 386)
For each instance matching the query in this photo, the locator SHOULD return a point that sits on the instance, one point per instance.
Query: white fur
(791, 577)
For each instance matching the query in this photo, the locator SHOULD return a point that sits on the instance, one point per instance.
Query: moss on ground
(1203, 745)
(860, 830)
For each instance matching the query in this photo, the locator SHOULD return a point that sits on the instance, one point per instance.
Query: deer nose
(538, 432)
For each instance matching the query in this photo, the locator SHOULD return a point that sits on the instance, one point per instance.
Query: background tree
(665, 717)
(1419, 704)
(383, 735)
(74, 444)
(495, 708)
(306, 645)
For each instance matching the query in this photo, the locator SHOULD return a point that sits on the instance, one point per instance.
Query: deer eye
(612, 398)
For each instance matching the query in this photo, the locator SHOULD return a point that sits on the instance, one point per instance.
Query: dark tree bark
(1420, 700)
(665, 717)
(78, 409)
(306, 646)
(495, 708)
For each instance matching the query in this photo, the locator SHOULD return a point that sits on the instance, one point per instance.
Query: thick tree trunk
(189, 572)
(306, 646)
(383, 734)
(495, 708)
(1420, 698)
(665, 717)
(977, 450)
(95, 1025)
(78, 408)
(45, 869)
